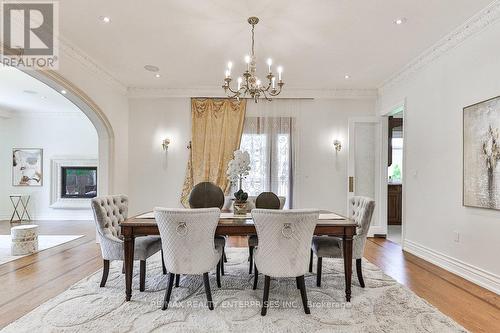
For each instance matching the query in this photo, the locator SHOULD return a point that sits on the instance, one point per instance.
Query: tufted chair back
(187, 237)
(109, 212)
(284, 240)
(361, 211)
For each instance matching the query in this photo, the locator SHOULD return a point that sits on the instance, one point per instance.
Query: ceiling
(316, 42)
(20, 92)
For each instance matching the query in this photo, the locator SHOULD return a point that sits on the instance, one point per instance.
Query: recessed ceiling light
(44, 97)
(347, 77)
(157, 75)
(30, 92)
(400, 20)
(152, 68)
(64, 92)
(104, 19)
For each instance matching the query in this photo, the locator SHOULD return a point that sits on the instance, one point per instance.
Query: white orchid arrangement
(238, 168)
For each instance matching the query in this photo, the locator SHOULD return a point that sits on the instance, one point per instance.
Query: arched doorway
(95, 115)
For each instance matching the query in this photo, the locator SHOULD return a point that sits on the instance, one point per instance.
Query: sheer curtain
(269, 135)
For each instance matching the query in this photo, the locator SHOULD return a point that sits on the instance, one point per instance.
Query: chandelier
(250, 84)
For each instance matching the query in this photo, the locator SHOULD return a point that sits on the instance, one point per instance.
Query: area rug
(44, 242)
(383, 306)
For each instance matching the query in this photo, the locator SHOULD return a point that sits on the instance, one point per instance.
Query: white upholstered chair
(109, 212)
(265, 200)
(187, 237)
(361, 211)
(284, 243)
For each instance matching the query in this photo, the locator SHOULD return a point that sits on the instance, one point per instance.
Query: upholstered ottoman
(24, 239)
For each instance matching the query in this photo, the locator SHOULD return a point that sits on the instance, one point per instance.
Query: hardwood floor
(32, 280)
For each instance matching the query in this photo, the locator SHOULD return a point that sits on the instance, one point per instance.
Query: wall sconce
(165, 144)
(338, 145)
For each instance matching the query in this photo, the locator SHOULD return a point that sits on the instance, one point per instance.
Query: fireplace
(78, 182)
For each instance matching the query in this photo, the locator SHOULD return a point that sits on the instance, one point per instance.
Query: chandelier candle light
(250, 84)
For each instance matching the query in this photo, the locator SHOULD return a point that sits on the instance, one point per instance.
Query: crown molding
(145, 92)
(77, 55)
(475, 24)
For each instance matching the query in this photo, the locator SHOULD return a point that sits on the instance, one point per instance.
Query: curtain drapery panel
(217, 124)
(270, 142)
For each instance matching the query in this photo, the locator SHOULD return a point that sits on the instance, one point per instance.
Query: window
(269, 143)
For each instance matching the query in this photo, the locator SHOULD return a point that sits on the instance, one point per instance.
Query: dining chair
(265, 200)
(284, 243)
(109, 213)
(361, 211)
(208, 195)
(187, 237)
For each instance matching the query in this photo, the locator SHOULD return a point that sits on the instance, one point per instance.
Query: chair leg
(303, 293)
(318, 274)
(265, 300)
(218, 275)
(311, 262)
(177, 278)
(105, 273)
(206, 282)
(163, 264)
(123, 267)
(360, 273)
(222, 264)
(224, 255)
(142, 276)
(168, 292)
(250, 258)
(255, 277)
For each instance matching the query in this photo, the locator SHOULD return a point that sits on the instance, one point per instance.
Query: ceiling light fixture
(400, 20)
(104, 19)
(347, 77)
(250, 84)
(157, 75)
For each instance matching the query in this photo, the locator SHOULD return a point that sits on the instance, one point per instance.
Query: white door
(364, 164)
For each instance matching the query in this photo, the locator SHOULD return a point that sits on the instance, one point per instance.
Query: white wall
(156, 178)
(58, 134)
(433, 210)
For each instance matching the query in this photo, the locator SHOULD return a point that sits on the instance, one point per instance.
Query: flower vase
(240, 208)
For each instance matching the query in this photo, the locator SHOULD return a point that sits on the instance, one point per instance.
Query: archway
(95, 115)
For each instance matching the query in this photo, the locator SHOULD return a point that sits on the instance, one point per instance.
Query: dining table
(230, 224)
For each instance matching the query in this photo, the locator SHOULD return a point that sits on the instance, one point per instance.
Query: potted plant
(238, 168)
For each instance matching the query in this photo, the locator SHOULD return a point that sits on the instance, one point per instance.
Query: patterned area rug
(383, 306)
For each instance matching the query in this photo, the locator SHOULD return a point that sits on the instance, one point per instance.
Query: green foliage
(396, 173)
(241, 196)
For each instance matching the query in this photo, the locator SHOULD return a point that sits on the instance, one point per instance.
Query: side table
(20, 203)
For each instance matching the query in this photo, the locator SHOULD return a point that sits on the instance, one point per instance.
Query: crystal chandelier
(250, 84)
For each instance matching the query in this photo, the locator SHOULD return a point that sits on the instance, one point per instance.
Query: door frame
(377, 227)
(384, 115)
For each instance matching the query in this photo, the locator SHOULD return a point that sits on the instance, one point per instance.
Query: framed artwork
(481, 154)
(27, 167)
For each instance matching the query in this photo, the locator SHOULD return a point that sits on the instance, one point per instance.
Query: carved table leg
(128, 247)
(347, 247)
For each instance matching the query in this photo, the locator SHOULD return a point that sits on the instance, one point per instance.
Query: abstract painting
(27, 166)
(481, 179)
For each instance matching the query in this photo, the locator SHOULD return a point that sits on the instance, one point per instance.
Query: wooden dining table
(330, 224)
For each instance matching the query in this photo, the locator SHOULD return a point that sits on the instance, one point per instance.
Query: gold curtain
(217, 125)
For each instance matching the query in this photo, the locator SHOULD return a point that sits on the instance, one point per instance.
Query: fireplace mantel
(56, 201)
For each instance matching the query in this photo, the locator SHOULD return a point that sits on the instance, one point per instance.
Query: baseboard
(469, 272)
(376, 230)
